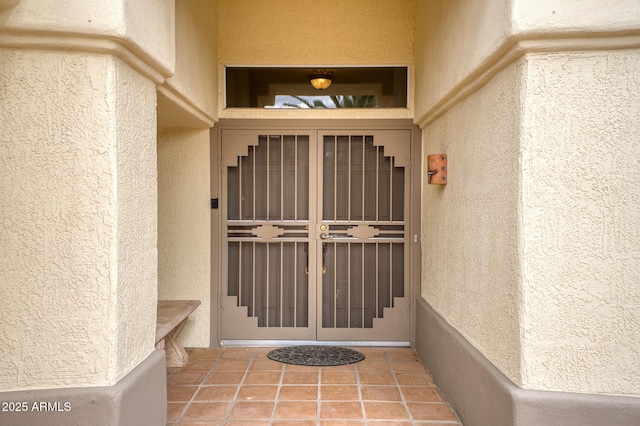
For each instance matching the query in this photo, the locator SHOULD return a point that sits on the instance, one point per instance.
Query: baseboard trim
(140, 398)
(482, 395)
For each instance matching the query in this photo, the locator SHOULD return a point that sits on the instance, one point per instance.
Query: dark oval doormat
(317, 356)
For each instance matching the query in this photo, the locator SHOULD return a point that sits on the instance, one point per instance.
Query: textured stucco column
(78, 219)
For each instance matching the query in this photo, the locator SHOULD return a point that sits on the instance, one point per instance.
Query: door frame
(218, 222)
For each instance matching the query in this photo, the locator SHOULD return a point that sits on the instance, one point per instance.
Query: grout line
(365, 421)
(276, 398)
(319, 396)
(397, 384)
(233, 401)
(199, 386)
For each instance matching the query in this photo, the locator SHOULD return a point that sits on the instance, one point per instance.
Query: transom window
(271, 87)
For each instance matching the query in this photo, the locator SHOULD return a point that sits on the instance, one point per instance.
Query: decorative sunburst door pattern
(363, 237)
(315, 235)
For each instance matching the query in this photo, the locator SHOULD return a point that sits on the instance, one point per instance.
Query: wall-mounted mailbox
(437, 169)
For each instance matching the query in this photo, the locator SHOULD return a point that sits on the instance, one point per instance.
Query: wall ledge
(515, 48)
(482, 395)
(8, 4)
(193, 115)
(86, 43)
(140, 398)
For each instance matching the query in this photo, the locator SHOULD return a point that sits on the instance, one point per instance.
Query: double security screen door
(315, 235)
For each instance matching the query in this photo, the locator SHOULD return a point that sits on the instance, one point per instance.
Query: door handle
(325, 236)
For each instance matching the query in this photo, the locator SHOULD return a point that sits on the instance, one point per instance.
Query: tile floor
(234, 386)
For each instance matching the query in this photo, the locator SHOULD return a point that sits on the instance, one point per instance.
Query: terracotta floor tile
(341, 422)
(298, 393)
(186, 378)
(373, 365)
(372, 353)
(224, 364)
(339, 393)
(300, 378)
(431, 411)
(380, 393)
(255, 410)
(241, 386)
(238, 353)
(206, 411)
(294, 423)
(305, 368)
(174, 410)
(421, 394)
(402, 354)
(438, 423)
(199, 365)
(258, 393)
(408, 367)
(340, 410)
(296, 410)
(346, 367)
(225, 378)
(181, 393)
(385, 411)
(415, 379)
(376, 378)
(261, 353)
(216, 393)
(338, 378)
(262, 378)
(204, 353)
(266, 365)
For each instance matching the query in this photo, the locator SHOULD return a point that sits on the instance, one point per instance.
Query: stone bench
(172, 316)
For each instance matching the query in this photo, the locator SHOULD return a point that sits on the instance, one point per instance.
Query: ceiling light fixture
(321, 79)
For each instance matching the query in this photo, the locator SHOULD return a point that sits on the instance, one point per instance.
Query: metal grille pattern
(360, 183)
(363, 207)
(338, 254)
(267, 231)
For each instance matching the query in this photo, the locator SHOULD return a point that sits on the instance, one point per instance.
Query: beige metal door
(315, 235)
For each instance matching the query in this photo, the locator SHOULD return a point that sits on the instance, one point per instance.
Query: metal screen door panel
(362, 236)
(315, 235)
(267, 180)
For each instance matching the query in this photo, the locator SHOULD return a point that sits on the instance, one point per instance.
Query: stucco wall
(189, 97)
(184, 226)
(146, 27)
(308, 33)
(581, 222)
(453, 40)
(572, 18)
(568, 247)
(78, 220)
(137, 227)
(470, 226)
(298, 32)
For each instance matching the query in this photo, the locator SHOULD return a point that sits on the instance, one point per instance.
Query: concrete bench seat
(172, 316)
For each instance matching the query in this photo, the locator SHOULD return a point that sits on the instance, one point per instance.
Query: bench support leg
(176, 355)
